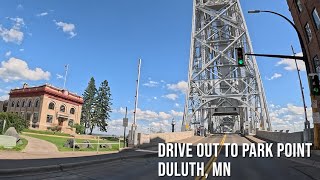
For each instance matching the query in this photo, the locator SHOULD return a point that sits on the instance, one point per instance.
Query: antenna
(65, 76)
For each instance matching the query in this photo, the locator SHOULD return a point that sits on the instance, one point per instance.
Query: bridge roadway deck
(147, 168)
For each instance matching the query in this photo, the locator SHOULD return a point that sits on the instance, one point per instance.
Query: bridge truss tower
(219, 89)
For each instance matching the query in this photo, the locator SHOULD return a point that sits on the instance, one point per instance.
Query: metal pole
(4, 126)
(98, 144)
(134, 125)
(124, 132)
(137, 94)
(307, 123)
(65, 76)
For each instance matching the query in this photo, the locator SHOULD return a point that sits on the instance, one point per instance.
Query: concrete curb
(66, 166)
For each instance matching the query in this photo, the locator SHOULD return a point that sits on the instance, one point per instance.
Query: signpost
(125, 125)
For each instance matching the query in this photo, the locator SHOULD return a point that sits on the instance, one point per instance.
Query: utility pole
(133, 135)
(306, 123)
(125, 124)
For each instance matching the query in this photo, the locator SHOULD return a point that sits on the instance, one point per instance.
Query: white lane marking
(143, 150)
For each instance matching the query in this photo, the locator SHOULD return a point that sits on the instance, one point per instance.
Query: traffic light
(315, 85)
(240, 56)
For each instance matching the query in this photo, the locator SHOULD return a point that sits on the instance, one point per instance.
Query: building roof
(46, 90)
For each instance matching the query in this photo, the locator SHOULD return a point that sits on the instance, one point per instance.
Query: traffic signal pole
(315, 111)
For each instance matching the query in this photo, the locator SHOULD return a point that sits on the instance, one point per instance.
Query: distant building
(46, 106)
(306, 17)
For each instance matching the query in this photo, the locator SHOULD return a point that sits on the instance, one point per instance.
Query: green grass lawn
(46, 132)
(59, 142)
(19, 147)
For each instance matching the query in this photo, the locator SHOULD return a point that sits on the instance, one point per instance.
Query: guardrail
(98, 143)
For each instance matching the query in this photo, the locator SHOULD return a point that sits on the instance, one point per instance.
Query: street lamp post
(173, 123)
(305, 59)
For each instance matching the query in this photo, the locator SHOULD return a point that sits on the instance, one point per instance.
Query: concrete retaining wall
(296, 137)
(153, 139)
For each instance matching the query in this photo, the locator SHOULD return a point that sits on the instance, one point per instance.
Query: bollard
(98, 144)
(119, 144)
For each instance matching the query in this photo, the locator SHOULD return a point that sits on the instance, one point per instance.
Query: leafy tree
(79, 128)
(88, 103)
(102, 107)
(13, 120)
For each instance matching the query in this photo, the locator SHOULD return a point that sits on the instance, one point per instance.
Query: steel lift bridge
(220, 92)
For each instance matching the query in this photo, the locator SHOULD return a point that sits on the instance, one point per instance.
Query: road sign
(125, 122)
(314, 104)
(316, 118)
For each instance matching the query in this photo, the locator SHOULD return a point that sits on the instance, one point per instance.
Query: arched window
(62, 108)
(72, 111)
(51, 106)
(18, 103)
(29, 103)
(12, 104)
(23, 103)
(37, 103)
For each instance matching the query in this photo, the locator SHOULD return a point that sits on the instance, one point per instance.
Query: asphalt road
(139, 168)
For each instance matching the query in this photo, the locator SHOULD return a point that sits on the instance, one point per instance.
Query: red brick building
(306, 16)
(46, 106)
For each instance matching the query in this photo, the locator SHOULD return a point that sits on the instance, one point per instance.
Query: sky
(105, 39)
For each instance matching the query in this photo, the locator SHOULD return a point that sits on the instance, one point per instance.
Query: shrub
(13, 120)
(79, 128)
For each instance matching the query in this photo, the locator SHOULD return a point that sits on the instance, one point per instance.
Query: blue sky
(105, 39)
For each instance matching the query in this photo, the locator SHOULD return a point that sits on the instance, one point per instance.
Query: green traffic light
(240, 62)
(316, 90)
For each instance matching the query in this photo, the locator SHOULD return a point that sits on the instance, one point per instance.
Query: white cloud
(16, 69)
(181, 86)
(177, 105)
(151, 84)
(290, 117)
(275, 76)
(68, 28)
(42, 14)
(59, 76)
(171, 96)
(176, 113)
(4, 97)
(14, 34)
(8, 54)
(290, 64)
(155, 98)
(19, 7)
(21, 50)
(11, 35)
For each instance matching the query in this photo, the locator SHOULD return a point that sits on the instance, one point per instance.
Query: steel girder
(217, 86)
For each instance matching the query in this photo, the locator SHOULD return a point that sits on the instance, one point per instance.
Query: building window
(28, 116)
(308, 31)
(29, 103)
(12, 104)
(72, 111)
(299, 5)
(49, 118)
(36, 104)
(62, 108)
(51, 106)
(35, 118)
(316, 18)
(70, 123)
(23, 103)
(18, 103)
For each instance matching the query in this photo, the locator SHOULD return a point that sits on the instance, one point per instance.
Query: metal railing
(97, 143)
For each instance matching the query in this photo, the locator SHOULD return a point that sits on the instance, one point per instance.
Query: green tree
(102, 108)
(13, 120)
(87, 113)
